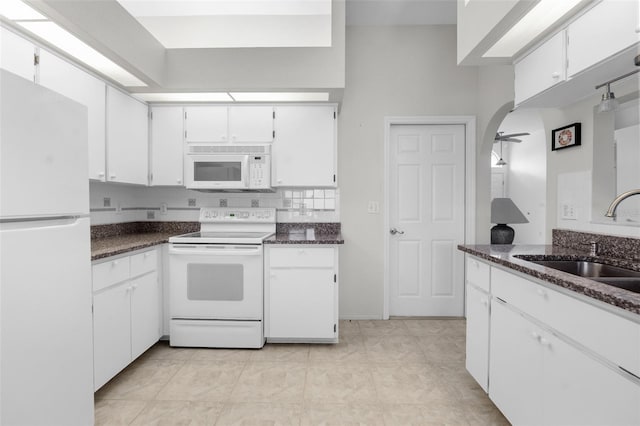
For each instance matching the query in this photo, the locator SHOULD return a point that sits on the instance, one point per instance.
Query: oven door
(216, 171)
(215, 281)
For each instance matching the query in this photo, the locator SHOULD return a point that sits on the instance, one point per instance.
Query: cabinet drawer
(110, 272)
(478, 273)
(301, 257)
(615, 338)
(142, 263)
(519, 292)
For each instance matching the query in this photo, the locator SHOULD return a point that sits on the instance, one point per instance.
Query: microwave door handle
(247, 171)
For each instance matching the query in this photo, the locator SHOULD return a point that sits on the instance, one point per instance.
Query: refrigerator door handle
(38, 222)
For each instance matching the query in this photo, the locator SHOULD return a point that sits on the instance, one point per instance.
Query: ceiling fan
(501, 137)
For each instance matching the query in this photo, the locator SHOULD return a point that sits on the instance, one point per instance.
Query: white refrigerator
(46, 349)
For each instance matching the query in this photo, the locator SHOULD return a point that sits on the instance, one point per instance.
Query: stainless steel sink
(631, 284)
(583, 268)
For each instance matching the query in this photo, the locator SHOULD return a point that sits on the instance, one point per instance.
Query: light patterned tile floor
(397, 372)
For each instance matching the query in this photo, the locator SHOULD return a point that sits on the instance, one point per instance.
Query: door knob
(394, 231)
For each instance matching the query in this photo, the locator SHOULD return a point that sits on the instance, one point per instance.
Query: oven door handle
(226, 250)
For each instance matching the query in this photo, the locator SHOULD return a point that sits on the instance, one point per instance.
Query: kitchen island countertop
(505, 255)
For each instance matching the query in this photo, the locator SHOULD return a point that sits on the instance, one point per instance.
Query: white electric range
(216, 279)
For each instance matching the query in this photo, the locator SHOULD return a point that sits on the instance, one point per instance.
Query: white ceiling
(401, 12)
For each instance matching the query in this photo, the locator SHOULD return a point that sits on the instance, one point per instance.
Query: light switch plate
(163, 208)
(568, 212)
(373, 207)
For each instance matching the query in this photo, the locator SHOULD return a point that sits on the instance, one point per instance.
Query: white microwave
(228, 167)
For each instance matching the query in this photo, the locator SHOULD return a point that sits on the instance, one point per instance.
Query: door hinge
(274, 115)
(335, 328)
(150, 115)
(274, 134)
(185, 134)
(36, 59)
(150, 177)
(334, 178)
(185, 115)
(335, 278)
(334, 115)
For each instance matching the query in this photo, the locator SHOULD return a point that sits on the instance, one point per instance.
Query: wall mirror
(616, 161)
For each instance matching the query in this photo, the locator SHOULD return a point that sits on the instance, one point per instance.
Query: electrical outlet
(569, 212)
(255, 203)
(106, 202)
(163, 208)
(151, 215)
(223, 202)
(118, 208)
(373, 207)
(191, 202)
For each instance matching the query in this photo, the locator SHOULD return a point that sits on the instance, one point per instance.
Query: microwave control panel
(259, 171)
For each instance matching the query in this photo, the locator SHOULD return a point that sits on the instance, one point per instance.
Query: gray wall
(398, 71)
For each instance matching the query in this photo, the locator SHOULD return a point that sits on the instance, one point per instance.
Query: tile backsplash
(116, 203)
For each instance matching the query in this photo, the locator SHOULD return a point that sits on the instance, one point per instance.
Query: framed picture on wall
(565, 137)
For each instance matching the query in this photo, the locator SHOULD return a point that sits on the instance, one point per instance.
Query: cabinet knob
(536, 335)
(544, 342)
(484, 301)
(301, 251)
(114, 263)
(179, 181)
(134, 286)
(555, 75)
(223, 137)
(279, 180)
(147, 254)
(112, 176)
(541, 292)
(101, 174)
(637, 30)
(233, 138)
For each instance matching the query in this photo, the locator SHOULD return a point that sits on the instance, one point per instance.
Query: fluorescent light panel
(67, 42)
(16, 10)
(541, 17)
(280, 96)
(234, 23)
(184, 97)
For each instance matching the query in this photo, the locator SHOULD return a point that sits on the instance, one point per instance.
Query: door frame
(469, 122)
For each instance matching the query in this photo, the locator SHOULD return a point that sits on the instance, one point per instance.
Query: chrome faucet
(614, 204)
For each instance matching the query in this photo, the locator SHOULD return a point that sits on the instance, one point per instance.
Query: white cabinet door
(127, 139)
(515, 368)
(477, 361)
(167, 162)
(66, 79)
(608, 28)
(301, 303)
(304, 148)
(541, 69)
(145, 313)
(16, 55)
(581, 391)
(111, 332)
(206, 124)
(251, 124)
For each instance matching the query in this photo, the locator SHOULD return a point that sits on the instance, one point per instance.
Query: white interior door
(427, 220)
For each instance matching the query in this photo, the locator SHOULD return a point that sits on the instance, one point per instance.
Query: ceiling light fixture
(500, 161)
(609, 101)
(184, 97)
(535, 22)
(280, 96)
(15, 10)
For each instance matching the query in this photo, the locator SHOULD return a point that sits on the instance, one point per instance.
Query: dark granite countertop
(301, 238)
(118, 244)
(505, 255)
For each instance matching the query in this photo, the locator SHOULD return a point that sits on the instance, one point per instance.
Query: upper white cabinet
(167, 132)
(17, 55)
(541, 69)
(304, 149)
(68, 80)
(127, 139)
(235, 124)
(608, 28)
(251, 124)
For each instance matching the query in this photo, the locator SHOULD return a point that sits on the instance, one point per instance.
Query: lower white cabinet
(477, 361)
(552, 358)
(301, 293)
(126, 312)
(539, 379)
